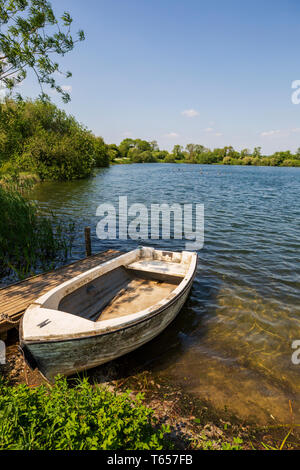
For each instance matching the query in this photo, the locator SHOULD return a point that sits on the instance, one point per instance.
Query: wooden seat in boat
(156, 266)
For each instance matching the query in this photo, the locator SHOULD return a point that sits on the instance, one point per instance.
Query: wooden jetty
(15, 298)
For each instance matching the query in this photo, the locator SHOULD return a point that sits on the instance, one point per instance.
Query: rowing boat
(106, 312)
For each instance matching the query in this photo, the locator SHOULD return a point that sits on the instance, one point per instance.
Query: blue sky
(179, 71)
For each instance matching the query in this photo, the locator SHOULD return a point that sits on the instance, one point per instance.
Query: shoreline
(180, 162)
(195, 424)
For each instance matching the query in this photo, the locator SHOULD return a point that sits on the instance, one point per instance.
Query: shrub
(38, 137)
(291, 163)
(79, 418)
(101, 155)
(170, 159)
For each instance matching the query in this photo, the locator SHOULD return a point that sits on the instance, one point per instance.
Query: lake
(232, 342)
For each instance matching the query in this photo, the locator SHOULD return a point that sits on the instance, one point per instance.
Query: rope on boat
(6, 318)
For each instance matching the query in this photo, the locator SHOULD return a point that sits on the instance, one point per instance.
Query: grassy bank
(193, 423)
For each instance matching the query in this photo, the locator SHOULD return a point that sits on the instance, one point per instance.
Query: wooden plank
(15, 298)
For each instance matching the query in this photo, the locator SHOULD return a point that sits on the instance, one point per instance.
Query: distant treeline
(141, 151)
(39, 138)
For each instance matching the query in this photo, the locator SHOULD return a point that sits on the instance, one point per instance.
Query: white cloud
(281, 132)
(190, 113)
(126, 134)
(210, 130)
(270, 133)
(171, 135)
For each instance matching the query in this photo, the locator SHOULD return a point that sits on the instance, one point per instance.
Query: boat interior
(124, 290)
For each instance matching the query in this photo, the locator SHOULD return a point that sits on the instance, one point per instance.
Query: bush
(79, 418)
(101, 154)
(170, 159)
(38, 137)
(291, 163)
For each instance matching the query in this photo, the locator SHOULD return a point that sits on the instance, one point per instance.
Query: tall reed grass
(29, 241)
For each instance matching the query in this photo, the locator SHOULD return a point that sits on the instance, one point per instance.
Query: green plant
(28, 240)
(38, 138)
(235, 445)
(75, 418)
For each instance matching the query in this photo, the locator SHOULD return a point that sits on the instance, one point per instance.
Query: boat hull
(74, 355)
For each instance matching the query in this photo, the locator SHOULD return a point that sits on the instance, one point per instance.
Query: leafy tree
(291, 162)
(190, 149)
(178, 152)
(142, 145)
(30, 34)
(226, 160)
(297, 154)
(39, 138)
(170, 158)
(154, 146)
(160, 154)
(148, 157)
(256, 152)
(248, 161)
(101, 155)
(207, 158)
(245, 153)
(113, 152)
(125, 146)
(200, 149)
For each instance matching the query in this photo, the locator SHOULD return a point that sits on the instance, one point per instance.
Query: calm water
(232, 341)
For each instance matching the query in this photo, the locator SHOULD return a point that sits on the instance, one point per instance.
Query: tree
(113, 152)
(154, 146)
(190, 149)
(245, 153)
(297, 154)
(147, 157)
(101, 155)
(29, 34)
(125, 146)
(142, 145)
(160, 154)
(178, 153)
(256, 152)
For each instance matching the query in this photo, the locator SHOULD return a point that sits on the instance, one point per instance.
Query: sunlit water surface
(231, 343)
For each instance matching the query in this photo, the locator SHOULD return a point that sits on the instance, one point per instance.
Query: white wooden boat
(107, 311)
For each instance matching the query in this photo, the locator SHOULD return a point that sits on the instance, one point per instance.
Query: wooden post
(88, 245)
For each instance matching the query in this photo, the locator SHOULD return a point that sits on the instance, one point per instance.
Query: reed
(29, 241)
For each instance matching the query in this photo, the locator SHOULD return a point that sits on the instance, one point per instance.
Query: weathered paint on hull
(75, 355)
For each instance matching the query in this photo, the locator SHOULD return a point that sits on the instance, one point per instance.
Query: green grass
(82, 417)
